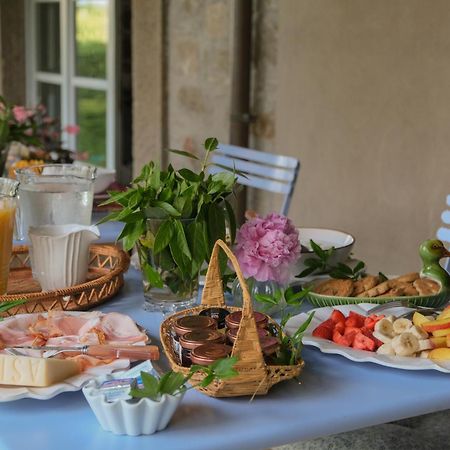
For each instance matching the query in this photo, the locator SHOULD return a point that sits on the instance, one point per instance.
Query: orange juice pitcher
(8, 192)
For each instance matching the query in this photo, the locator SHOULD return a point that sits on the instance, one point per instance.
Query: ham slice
(60, 328)
(119, 328)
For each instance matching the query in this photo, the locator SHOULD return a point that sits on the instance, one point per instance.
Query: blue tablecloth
(335, 395)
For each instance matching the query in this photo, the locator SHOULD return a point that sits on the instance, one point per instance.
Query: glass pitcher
(8, 192)
(55, 194)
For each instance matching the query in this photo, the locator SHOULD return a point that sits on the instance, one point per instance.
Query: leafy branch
(320, 264)
(191, 211)
(5, 306)
(173, 383)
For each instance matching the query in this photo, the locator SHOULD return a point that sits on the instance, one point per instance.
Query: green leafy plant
(342, 271)
(5, 306)
(173, 383)
(320, 264)
(293, 297)
(290, 345)
(188, 212)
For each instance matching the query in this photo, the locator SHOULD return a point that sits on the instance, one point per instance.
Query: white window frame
(67, 80)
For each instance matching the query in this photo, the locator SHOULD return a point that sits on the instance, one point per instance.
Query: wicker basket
(255, 376)
(107, 263)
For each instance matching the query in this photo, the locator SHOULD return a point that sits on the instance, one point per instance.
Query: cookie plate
(319, 300)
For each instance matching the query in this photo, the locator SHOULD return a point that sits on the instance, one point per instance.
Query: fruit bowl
(342, 242)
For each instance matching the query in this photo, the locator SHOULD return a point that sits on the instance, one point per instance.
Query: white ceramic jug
(60, 254)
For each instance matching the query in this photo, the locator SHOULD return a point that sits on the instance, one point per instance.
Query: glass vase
(260, 293)
(166, 288)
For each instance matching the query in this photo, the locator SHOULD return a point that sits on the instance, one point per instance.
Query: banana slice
(405, 344)
(424, 353)
(382, 337)
(391, 318)
(384, 326)
(425, 344)
(401, 325)
(385, 349)
(418, 332)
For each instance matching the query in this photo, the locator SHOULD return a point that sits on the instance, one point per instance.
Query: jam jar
(232, 333)
(187, 324)
(206, 354)
(219, 314)
(194, 339)
(234, 319)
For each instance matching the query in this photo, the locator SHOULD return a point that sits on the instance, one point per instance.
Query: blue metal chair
(444, 232)
(266, 171)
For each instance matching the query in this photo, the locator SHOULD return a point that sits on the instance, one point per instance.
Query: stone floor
(429, 432)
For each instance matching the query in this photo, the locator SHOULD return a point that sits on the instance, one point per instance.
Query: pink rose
(267, 248)
(20, 114)
(72, 129)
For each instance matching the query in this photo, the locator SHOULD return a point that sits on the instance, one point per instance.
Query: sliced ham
(119, 328)
(60, 328)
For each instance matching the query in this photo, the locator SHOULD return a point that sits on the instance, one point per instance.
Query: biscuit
(364, 284)
(408, 278)
(426, 286)
(377, 290)
(341, 288)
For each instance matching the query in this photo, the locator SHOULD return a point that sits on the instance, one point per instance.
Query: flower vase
(166, 288)
(267, 296)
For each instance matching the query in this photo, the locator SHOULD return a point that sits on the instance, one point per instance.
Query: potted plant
(173, 218)
(151, 408)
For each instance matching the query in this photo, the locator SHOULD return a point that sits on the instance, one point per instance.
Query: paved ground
(430, 432)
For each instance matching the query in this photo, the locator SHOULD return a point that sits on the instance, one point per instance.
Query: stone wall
(199, 58)
(12, 29)
(148, 86)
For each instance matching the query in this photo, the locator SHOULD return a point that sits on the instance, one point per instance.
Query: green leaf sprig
(173, 383)
(292, 297)
(291, 346)
(5, 306)
(177, 246)
(320, 264)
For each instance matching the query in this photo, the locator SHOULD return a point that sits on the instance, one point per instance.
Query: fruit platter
(398, 337)
(430, 287)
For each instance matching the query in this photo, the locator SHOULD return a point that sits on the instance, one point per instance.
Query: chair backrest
(267, 171)
(444, 232)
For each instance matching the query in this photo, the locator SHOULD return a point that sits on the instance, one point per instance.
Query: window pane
(91, 118)
(47, 26)
(50, 96)
(91, 37)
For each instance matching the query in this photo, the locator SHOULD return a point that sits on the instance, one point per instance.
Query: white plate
(326, 346)
(10, 393)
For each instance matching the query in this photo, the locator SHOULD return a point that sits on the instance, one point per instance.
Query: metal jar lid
(206, 354)
(186, 324)
(194, 339)
(232, 333)
(269, 344)
(234, 319)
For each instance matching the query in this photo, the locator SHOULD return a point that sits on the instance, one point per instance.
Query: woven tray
(255, 376)
(107, 263)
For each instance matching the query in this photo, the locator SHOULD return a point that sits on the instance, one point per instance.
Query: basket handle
(213, 289)
(246, 345)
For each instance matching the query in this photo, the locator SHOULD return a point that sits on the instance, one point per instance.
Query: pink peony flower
(20, 114)
(267, 248)
(72, 129)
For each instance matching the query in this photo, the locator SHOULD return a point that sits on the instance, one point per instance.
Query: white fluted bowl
(132, 418)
